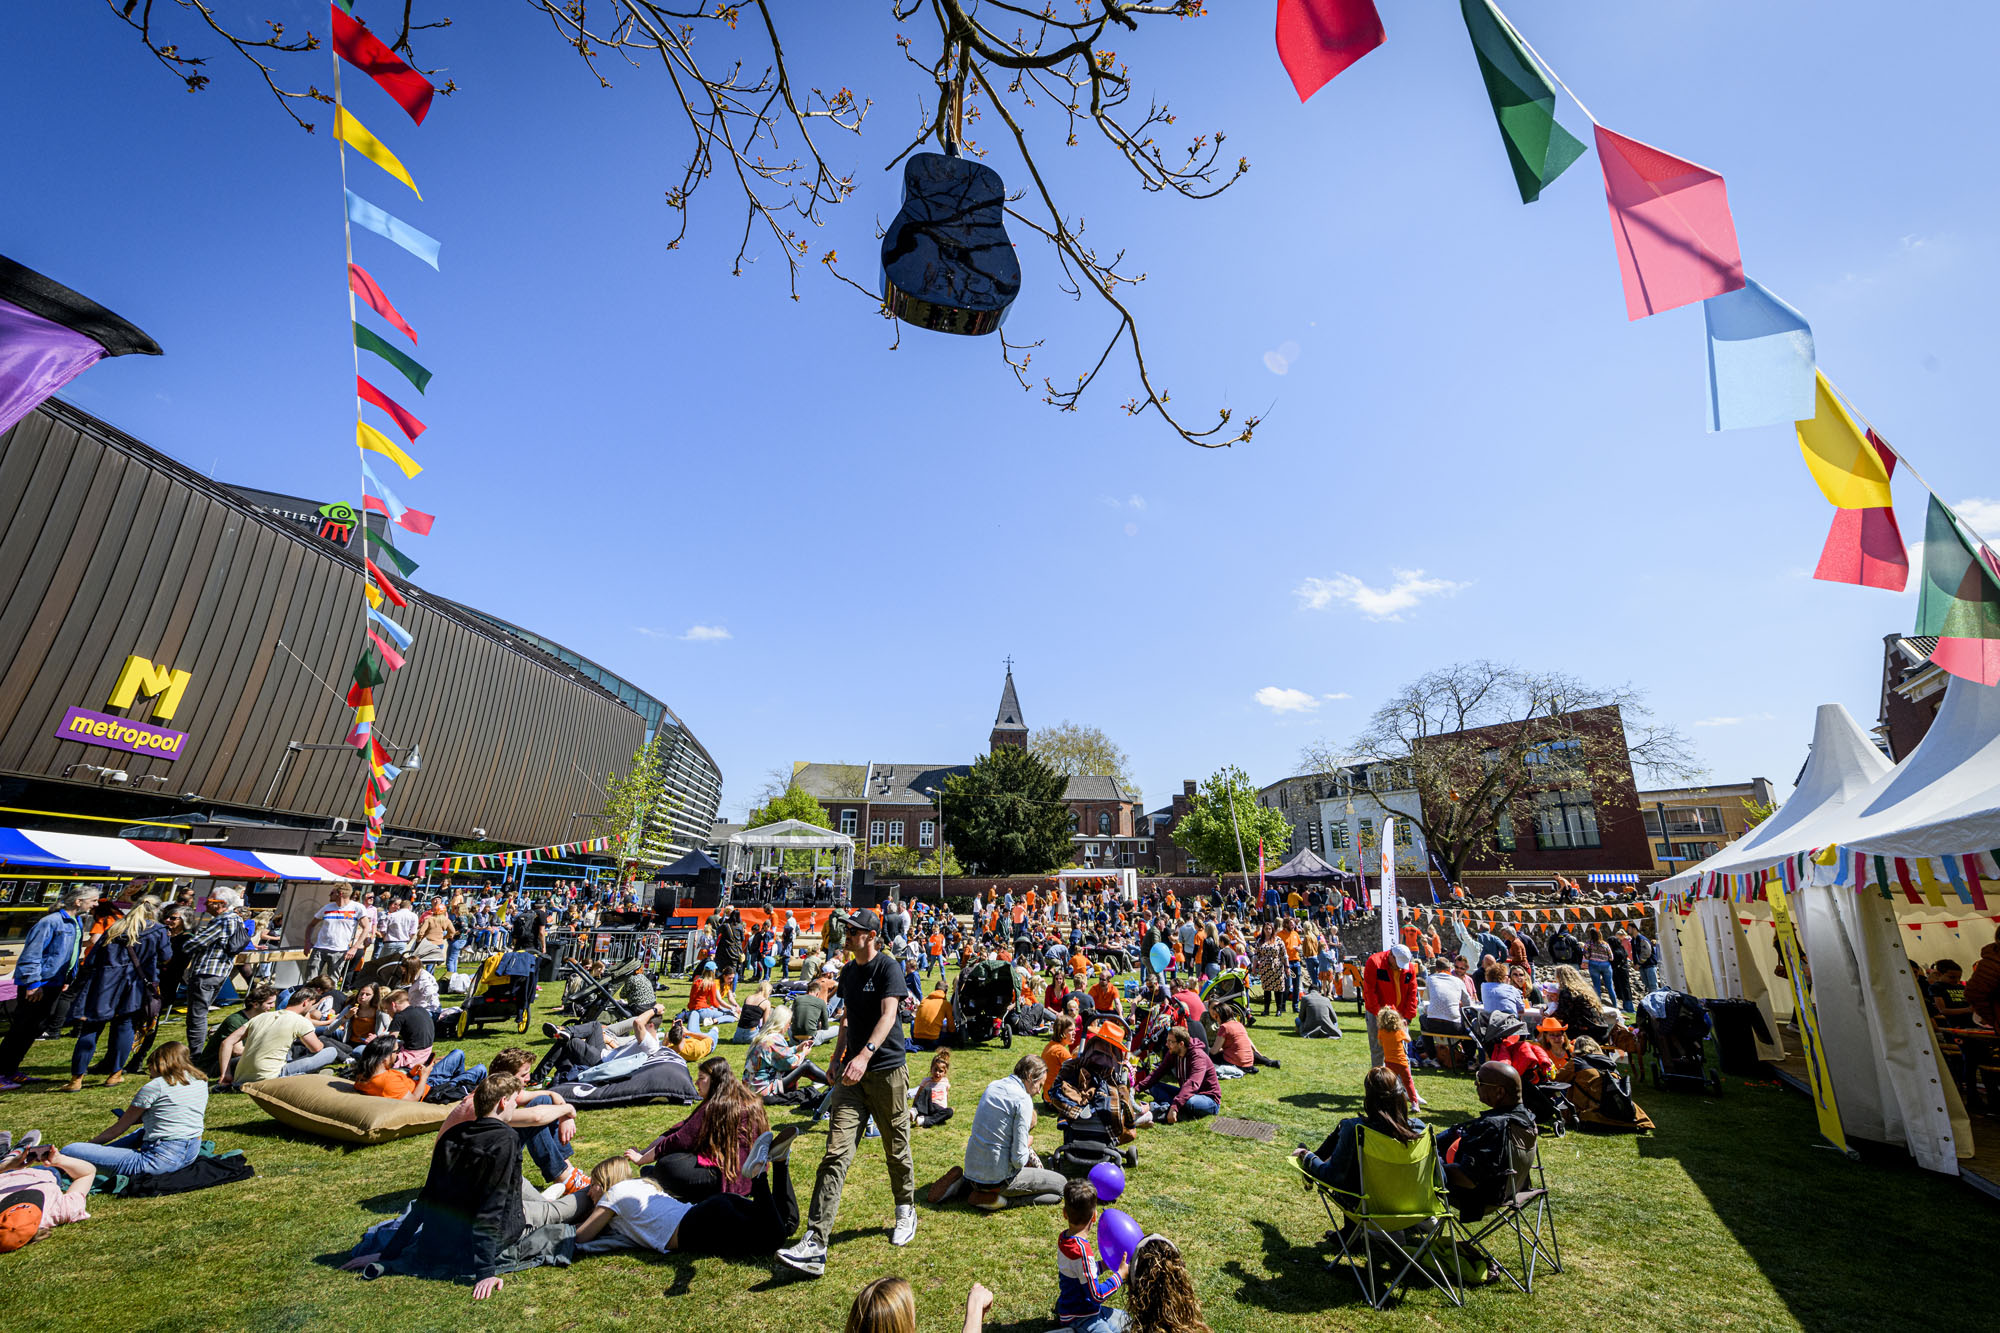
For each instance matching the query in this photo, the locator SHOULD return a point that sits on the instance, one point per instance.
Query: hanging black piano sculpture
(947, 264)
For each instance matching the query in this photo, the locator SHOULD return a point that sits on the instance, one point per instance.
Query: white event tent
(1943, 800)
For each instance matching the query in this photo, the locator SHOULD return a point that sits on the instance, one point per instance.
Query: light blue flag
(364, 214)
(1760, 360)
(388, 497)
(399, 635)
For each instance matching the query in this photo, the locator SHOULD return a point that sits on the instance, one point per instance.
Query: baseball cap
(862, 920)
(1401, 953)
(20, 1219)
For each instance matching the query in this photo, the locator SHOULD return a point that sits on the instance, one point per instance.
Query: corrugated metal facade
(108, 548)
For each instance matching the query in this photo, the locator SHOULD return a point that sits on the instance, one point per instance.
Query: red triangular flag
(1865, 546)
(416, 520)
(409, 425)
(1317, 39)
(369, 54)
(382, 582)
(359, 694)
(1670, 222)
(364, 287)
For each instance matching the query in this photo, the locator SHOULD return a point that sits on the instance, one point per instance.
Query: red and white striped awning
(172, 860)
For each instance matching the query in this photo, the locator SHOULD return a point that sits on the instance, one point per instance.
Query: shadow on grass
(1324, 1101)
(1295, 1277)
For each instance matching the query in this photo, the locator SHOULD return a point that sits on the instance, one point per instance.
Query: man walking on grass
(868, 1060)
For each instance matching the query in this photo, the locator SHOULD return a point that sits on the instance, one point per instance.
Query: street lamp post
(938, 797)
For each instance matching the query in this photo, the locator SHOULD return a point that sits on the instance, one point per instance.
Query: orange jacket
(1384, 985)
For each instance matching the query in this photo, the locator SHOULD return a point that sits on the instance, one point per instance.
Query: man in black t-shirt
(411, 1024)
(870, 1083)
(531, 929)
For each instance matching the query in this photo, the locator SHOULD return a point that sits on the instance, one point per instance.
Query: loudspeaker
(865, 891)
(666, 899)
(708, 888)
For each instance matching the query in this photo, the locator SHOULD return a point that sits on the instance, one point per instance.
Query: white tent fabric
(792, 835)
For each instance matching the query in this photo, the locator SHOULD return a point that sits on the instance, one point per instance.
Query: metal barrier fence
(610, 947)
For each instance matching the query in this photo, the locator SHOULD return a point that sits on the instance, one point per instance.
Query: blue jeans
(450, 1074)
(545, 1145)
(86, 1045)
(1197, 1106)
(451, 953)
(1649, 977)
(130, 1156)
(1600, 977)
(699, 1020)
(1108, 1319)
(312, 1063)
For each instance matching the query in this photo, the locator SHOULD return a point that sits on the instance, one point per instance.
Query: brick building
(895, 804)
(1689, 824)
(1912, 689)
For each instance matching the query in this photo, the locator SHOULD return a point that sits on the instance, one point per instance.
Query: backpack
(1642, 951)
(1563, 948)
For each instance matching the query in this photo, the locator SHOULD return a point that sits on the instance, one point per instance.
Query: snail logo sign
(140, 678)
(336, 522)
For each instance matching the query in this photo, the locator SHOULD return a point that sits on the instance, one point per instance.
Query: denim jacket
(45, 956)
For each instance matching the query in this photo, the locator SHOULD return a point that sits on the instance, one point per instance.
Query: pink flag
(1865, 546)
(1670, 222)
(388, 651)
(1317, 39)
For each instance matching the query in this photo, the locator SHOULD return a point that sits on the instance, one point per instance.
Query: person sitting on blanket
(629, 1211)
(1385, 1109)
(1233, 1042)
(475, 1217)
(40, 1190)
(586, 1048)
(165, 1120)
(544, 1121)
(703, 1155)
(1478, 1156)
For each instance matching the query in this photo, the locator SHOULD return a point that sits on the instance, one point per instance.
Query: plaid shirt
(210, 949)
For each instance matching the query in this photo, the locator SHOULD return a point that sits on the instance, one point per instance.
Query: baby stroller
(1496, 1037)
(1677, 1043)
(983, 1003)
(503, 991)
(1230, 987)
(589, 997)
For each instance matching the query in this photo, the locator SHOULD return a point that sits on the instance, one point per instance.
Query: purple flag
(49, 335)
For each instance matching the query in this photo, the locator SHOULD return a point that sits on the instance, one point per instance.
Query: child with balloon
(1087, 1273)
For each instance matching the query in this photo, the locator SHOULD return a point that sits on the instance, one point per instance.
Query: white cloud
(1129, 502)
(1409, 588)
(1983, 515)
(1281, 700)
(1137, 502)
(704, 634)
(1342, 695)
(1732, 721)
(649, 632)
(1280, 358)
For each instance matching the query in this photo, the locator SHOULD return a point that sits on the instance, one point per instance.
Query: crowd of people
(1115, 1055)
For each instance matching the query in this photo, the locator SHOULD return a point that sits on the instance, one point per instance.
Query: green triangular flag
(370, 341)
(380, 551)
(1524, 102)
(1958, 601)
(368, 671)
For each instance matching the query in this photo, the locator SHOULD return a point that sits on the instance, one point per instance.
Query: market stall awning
(1305, 867)
(172, 860)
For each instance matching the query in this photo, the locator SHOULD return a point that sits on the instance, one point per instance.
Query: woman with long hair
(887, 1305)
(774, 1066)
(161, 1130)
(1159, 1292)
(1385, 1109)
(375, 1072)
(361, 1021)
(703, 1155)
(1576, 1005)
(117, 987)
(1597, 953)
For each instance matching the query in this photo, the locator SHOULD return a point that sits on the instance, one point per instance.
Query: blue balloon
(1117, 1237)
(1108, 1178)
(1161, 957)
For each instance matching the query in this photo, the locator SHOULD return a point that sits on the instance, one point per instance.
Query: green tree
(636, 802)
(790, 803)
(1007, 816)
(1209, 835)
(1756, 812)
(1083, 751)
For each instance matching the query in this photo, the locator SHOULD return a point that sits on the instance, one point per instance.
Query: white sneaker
(905, 1229)
(808, 1256)
(758, 1157)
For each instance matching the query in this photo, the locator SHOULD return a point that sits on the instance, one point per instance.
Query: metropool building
(174, 654)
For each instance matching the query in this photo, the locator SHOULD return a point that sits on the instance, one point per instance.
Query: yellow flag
(1849, 471)
(368, 437)
(356, 135)
(1806, 1015)
(374, 597)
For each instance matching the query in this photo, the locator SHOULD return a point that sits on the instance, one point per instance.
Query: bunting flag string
(502, 860)
(387, 643)
(1676, 243)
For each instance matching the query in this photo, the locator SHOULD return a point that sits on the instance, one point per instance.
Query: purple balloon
(1117, 1237)
(1109, 1180)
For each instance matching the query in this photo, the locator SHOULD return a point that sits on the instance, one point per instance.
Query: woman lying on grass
(629, 1211)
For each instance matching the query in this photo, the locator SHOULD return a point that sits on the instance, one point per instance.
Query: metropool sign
(139, 678)
(80, 724)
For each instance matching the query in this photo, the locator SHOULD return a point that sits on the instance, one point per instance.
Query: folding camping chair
(1527, 1211)
(1402, 1214)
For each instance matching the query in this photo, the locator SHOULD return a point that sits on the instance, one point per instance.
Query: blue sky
(1470, 452)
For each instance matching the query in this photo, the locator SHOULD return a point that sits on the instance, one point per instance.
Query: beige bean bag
(331, 1109)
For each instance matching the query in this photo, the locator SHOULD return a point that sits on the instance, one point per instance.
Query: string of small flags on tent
(499, 860)
(387, 643)
(1675, 241)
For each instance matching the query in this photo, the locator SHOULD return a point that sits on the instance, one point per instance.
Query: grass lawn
(1728, 1216)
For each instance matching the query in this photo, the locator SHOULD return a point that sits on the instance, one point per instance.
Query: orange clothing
(1395, 1048)
(704, 995)
(937, 944)
(394, 1084)
(1290, 939)
(1078, 964)
(1053, 1056)
(1104, 998)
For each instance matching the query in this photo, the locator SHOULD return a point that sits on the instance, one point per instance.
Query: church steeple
(1008, 728)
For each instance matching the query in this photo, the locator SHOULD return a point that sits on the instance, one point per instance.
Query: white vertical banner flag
(1391, 928)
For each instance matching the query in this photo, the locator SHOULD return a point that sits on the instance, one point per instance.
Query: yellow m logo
(141, 677)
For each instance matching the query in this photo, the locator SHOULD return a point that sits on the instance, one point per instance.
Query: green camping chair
(1401, 1218)
(1527, 1212)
